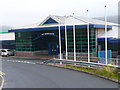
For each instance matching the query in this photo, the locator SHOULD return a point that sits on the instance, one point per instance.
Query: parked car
(6, 52)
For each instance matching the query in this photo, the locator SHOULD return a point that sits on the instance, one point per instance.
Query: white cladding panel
(7, 36)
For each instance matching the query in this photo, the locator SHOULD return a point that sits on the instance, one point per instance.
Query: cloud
(24, 12)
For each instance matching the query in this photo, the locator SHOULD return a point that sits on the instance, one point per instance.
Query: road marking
(2, 73)
(2, 83)
(27, 62)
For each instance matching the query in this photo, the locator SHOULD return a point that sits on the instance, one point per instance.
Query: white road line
(2, 83)
(21, 61)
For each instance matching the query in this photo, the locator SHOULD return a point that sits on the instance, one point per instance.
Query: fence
(94, 61)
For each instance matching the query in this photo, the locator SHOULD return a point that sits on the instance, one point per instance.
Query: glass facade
(23, 41)
(111, 46)
(7, 45)
(81, 40)
(39, 40)
(35, 40)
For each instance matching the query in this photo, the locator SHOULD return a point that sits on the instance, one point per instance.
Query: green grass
(106, 71)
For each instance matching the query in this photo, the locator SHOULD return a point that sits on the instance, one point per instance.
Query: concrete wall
(83, 54)
(37, 53)
(100, 31)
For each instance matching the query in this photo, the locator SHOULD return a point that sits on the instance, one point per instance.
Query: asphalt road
(23, 75)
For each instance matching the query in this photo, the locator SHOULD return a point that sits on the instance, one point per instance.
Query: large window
(33, 40)
(81, 40)
(23, 41)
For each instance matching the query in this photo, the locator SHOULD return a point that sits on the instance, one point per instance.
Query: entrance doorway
(53, 48)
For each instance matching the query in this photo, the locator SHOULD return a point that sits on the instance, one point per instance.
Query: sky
(17, 13)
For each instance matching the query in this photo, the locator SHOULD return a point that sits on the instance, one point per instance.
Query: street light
(88, 34)
(60, 42)
(106, 36)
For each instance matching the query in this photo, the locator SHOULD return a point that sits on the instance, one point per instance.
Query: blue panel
(46, 35)
(110, 40)
(80, 26)
(101, 26)
(56, 28)
(33, 29)
(50, 21)
(102, 56)
(101, 39)
(7, 41)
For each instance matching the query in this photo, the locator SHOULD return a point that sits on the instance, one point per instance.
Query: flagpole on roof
(60, 43)
(106, 36)
(74, 42)
(66, 41)
(88, 34)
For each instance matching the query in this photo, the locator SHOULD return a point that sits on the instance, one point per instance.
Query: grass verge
(106, 71)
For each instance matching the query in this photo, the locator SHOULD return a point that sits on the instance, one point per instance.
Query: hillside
(5, 28)
(113, 19)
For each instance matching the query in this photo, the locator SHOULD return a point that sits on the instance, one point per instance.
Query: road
(23, 75)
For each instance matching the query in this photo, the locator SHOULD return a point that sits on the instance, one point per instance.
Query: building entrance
(53, 48)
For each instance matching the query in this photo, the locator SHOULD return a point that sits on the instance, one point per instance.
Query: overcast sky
(18, 13)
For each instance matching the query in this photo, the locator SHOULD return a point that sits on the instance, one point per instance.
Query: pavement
(30, 75)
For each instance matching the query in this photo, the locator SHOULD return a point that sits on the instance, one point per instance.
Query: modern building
(7, 40)
(55, 32)
(113, 38)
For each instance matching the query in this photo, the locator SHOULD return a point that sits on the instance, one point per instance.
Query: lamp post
(74, 43)
(66, 42)
(88, 34)
(60, 43)
(106, 36)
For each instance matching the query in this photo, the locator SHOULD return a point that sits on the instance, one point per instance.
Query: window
(19, 34)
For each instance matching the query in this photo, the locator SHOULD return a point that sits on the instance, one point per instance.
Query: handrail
(81, 62)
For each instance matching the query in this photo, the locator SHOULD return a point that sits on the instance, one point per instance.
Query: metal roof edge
(56, 27)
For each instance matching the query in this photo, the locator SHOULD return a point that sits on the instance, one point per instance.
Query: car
(7, 52)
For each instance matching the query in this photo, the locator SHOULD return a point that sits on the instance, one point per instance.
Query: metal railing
(82, 61)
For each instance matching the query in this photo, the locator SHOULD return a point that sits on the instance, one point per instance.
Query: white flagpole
(74, 43)
(106, 36)
(66, 42)
(60, 43)
(88, 34)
